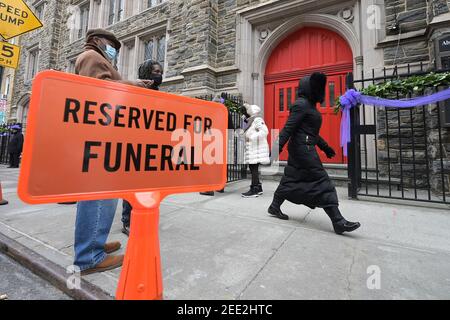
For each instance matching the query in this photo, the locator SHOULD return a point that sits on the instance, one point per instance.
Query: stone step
(337, 172)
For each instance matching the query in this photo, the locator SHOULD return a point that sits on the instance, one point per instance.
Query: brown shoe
(112, 247)
(111, 262)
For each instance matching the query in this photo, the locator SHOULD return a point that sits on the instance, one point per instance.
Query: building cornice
(280, 9)
(172, 80)
(412, 36)
(208, 68)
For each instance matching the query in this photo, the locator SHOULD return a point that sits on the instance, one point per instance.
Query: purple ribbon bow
(349, 100)
(352, 98)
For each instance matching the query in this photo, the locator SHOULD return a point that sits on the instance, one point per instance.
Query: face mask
(157, 79)
(111, 52)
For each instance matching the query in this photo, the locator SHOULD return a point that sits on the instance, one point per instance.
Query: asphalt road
(18, 283)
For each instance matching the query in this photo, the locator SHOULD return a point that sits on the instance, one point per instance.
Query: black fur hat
(313, 87)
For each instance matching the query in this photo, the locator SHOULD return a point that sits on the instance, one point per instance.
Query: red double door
(300, 54)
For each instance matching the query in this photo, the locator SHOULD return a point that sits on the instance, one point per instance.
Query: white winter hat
(252, 109)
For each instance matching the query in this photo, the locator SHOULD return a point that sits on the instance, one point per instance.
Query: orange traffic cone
(141, 276)
(2, 201)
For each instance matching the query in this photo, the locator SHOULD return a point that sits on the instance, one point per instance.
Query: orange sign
(90, 139)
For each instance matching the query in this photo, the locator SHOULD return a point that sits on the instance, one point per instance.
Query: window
(7, 85)
(116, 11)
(289, 97)
(24, 116)
(71, 66)
(152, 3)
(33, 63)
(281, 99)
(332, 92)
(39, 11)
(84, 20)
(155, 49)
(127, 61)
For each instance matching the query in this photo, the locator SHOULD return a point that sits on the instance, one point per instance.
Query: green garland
(232, 106)
(414, 84)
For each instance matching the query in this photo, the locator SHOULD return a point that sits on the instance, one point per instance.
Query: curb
(49, 271)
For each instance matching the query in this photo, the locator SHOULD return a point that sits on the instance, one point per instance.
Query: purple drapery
(352, 98)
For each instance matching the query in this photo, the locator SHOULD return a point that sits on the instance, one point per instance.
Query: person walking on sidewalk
(256, 147)
(94, 218)
(15, 146)
(305, 180)
(149, 70)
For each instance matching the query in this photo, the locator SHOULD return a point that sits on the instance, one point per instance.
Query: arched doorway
(22, 111)
(307, 50)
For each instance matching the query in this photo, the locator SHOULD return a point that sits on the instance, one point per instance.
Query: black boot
(275, 208)
(207, 193)
(252, 193)
(126, 229)
(277, 213)
(340, 225)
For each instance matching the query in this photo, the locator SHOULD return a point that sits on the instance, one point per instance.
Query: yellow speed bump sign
(9, 55)
(16, 18)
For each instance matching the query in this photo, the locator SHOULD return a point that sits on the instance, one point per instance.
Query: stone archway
(22, 110)
(261, 57)
(302, 52)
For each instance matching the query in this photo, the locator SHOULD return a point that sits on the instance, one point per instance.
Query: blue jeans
(92, 226)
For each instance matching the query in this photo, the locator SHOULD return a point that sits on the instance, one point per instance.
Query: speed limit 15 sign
(9, 55)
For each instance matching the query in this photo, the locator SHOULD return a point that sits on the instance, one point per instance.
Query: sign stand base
(141, 277)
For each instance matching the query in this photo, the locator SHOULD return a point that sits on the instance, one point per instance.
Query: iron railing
(399, 153)
(236, 168)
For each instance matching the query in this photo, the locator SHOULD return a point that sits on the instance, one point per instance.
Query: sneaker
(111, 262)
(259, 189)
(252, 193)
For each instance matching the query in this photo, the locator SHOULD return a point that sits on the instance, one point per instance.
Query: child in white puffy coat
(256, 147)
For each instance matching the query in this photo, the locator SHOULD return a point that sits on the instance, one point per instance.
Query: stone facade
(214, 46)
(413, 148)
(218, 45)
(46, 41)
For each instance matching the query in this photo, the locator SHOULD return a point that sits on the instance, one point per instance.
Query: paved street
(19, 283)
(227, 247)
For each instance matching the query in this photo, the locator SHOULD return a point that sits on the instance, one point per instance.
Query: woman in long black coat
(305, 181)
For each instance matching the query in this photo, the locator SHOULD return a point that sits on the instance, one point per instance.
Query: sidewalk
(227, 247)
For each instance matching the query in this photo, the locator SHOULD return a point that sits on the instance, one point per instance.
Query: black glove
(329, 151)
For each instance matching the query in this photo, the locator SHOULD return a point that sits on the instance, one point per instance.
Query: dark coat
(305, 180)
(16, 143)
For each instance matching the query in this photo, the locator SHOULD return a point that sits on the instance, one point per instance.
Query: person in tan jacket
(94, 218)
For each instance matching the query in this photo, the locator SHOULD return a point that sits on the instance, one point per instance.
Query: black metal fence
(236, 169)
(399, 153)
(4, 141)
